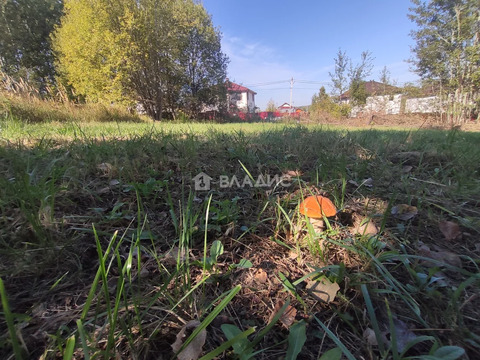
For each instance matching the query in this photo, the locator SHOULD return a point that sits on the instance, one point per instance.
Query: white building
(241, 98)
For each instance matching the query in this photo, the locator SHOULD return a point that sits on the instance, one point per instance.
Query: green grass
(107, 250)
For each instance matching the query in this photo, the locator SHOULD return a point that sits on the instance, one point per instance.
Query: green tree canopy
(324, 106)
(164, 54)
(447, 50)
(25, 28)
(92, 51)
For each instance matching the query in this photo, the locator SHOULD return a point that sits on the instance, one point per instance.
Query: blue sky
(270, 41)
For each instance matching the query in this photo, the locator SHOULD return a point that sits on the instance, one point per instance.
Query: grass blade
(337, 341)
(218, 309)
(373, 318)
(83, 339)
(9, 320)
(227, 344)
(69, 348)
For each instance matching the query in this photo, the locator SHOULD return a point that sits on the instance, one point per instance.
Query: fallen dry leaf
(106, 168)
(174, 255)
(406, 169)
(443, 256)
(323, 289)
(353, 182)
(404, 212)
(260, 276)
(450, 230)
(193, 350)
(292, 173)
(369, 337)
(368, 182)
(403, 334)
(288, 317)
(363, 226)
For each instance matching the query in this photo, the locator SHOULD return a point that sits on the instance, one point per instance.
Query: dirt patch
(417, 121)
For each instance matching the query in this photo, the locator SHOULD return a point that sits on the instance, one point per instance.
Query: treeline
(164, 55)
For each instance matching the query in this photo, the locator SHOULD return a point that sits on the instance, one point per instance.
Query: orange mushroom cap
(317, 207)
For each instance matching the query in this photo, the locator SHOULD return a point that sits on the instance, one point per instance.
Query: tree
(447, 50)
(25, 28)
(203, 66)
(166, 54)
(357, 74)
(351, 76)
(385, 76)
(91, 51)
(324, 106)
(339, 77)
(271, 106)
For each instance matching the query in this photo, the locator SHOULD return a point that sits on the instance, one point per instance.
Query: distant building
(240, 98)
(286, 108)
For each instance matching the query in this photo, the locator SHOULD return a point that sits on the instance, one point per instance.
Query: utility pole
(291, 93)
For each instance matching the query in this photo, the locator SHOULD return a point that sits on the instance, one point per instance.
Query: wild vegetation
(108, 251)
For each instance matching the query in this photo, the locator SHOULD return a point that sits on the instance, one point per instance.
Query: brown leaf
(450, 230)
(106, 168)
(288, 317)
(260, 276)
(292, 173)
(443, 256)
(323, 290)
(193, 350)
(363, 226)
(404, 212)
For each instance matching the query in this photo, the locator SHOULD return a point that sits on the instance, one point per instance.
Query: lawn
(108, 251)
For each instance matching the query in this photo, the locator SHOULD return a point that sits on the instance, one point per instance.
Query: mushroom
(315, 208)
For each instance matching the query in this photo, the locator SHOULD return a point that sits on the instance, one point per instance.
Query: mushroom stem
(318, 225)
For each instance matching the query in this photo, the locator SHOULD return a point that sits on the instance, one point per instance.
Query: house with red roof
(240, 98)
(286, 108)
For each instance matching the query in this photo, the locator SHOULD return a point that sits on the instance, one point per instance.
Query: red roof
(232, 87)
